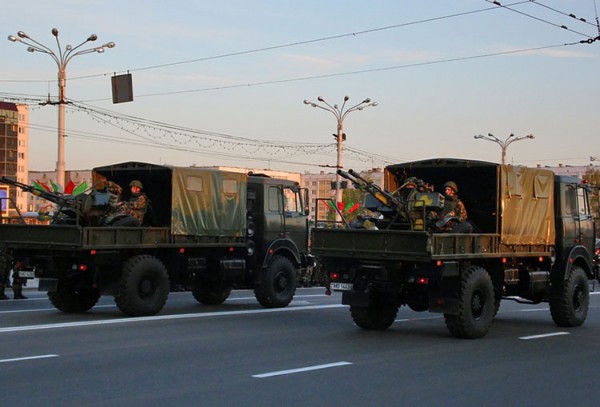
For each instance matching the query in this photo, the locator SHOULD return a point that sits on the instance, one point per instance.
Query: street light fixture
(340, 114)
(62, 59)
(503, 144)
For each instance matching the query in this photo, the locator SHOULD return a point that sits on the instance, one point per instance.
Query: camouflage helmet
(452, 184)
(136, 183)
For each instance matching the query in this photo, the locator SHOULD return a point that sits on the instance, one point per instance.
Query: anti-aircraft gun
(412, 206)
(90, 208)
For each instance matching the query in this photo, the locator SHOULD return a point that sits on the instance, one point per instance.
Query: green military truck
(530, 238)
(205, 229)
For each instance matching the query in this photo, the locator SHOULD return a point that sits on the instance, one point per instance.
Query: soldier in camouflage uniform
(6, 264)
(4, 271)
(138, 202)
(454, 215)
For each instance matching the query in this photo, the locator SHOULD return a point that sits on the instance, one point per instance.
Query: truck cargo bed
(67, 237)
(397, 245)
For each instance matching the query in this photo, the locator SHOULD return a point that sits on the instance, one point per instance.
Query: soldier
(454, 215)
(18, 283)
(138, 202)
(4, 279)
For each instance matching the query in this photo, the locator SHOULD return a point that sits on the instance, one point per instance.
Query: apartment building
(14, 140)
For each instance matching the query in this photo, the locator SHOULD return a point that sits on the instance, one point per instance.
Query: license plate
(26, 274)
(341, 286)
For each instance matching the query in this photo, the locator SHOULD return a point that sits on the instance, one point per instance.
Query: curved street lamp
(340, 114)
(62, 59)
(503, 144)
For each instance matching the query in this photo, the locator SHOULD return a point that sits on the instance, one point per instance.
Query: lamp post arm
(39, 47)
(69, 56)
(61, 56)
(330, 108)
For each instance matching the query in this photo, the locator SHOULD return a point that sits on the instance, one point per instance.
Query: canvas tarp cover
(208, 202)
(527, 206)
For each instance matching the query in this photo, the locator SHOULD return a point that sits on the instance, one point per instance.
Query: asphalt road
(308, 354)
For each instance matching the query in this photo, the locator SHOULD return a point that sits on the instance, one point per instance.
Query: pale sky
(235, 73)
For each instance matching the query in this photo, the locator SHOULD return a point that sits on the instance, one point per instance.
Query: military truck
(205, 229)
(531, 240)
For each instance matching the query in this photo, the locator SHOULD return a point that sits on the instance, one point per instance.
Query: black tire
(570, 302)
(144, 286)
(497, 301)
(67, 298)
(378, 315)
(210, 293)
(126, 221)
(278, 283)
(476, 305)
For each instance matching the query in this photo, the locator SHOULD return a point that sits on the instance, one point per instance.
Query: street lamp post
(503, 144)
(340, 114)
(62, 59)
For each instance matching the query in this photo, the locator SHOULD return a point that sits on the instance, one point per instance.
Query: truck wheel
(476, 305)
(278, 283)
(569, 304)
(378, 315)
(72, 300)
(144, 286)
(210, 293)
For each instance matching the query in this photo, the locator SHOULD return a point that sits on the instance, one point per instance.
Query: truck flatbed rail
(398, 245)
(70, 237)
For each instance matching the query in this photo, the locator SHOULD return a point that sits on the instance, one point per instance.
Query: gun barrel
(49, 196)
(358, 176)
(344, 174)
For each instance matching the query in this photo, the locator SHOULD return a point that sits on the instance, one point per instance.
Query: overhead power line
(286, 45)
(561, 26)
(362, 71)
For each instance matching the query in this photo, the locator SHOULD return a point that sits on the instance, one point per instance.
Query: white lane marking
(534, 310)
(47, 309)
(27, 358)
(165, 317)
(543, 335)
(295, 296)
(417, 319)
(294, 302)
(300, 370)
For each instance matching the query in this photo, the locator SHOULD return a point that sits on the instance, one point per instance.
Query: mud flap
(48, 284)
(358, 299)
(443, 296)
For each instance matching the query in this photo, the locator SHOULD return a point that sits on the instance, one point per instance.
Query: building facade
(14, 156)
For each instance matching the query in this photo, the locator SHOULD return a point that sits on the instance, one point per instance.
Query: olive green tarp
(527, 205)
(208, 202)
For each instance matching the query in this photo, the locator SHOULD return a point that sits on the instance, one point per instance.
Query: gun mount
(90, 208)
(412, 206)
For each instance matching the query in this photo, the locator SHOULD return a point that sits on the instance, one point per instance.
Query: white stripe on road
(48, 309)
(300, 370)
(28, 358)
(294, 302)
(544, 335)
(165, 317)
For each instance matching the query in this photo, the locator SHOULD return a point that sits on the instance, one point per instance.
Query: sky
(223, 83)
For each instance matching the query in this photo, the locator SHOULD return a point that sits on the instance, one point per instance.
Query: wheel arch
(578, 256)
(282, 247)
